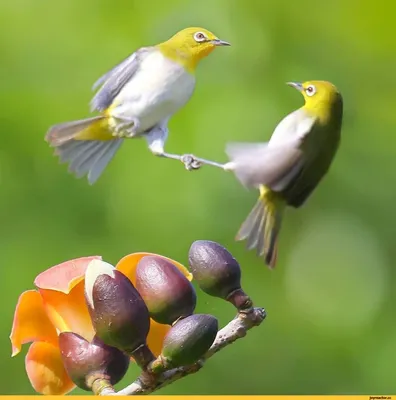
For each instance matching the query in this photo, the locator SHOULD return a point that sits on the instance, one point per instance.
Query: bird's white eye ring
(310, 90)
(199, 37)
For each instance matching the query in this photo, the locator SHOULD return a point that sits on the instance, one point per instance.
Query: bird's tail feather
(86, 145)
(261, 228)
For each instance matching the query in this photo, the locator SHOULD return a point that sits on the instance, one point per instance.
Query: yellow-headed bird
(290, 165)
(136, 99)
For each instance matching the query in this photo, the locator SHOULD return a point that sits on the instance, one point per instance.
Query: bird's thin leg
(167, 155)
(189, 163)
(156, 139)
(197, 162)
(192, 162)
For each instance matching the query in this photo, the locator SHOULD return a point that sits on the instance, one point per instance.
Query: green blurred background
(331, 301)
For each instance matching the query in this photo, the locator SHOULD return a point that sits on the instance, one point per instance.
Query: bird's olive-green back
(319, 145)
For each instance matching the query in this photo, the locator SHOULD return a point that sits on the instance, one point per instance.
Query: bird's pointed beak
(218, 42)
(296, 85)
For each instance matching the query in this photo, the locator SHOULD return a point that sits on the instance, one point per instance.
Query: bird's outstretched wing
(256, 164)
(277, 163)
(114, 80)
(293, 162)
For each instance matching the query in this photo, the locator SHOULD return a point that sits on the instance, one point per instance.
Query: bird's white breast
(156, 91)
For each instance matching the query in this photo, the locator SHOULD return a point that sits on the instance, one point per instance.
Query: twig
(235, 329)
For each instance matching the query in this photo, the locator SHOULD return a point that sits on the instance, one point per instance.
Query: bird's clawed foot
(190, 162)
(126, 128)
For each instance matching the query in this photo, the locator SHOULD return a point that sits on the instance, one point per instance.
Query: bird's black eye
(199, 37)
(310, 90)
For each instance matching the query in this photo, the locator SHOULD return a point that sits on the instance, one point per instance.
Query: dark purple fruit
(118, 313)
(214, 268)
(168, 294)
(86, 361)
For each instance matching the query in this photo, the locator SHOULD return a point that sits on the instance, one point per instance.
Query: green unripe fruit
(189, 339)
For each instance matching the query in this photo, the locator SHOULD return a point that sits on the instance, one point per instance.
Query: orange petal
(31, 323)
(156, 337)
(46, 371)
(63, 277)
(127, 265)
(68, 312)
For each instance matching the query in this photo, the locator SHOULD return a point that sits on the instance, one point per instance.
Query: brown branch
(234, 330)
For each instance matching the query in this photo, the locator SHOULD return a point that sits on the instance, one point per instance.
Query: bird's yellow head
(191, 45)
(322, 98)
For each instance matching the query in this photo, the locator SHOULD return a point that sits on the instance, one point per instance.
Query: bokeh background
(331, 325)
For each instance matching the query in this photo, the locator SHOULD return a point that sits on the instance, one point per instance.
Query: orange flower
(58, 305)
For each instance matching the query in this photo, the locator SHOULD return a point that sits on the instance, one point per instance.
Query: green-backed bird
(136, 99)
(288, 167)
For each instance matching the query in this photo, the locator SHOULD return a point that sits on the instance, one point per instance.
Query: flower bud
(118, 313)
(218, 273)
(214, 268)
(187, 341)
(87, 362)
(169, 295)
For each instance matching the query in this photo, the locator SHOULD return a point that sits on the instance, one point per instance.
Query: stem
(102, 387)
(143, 356)
(240, 300)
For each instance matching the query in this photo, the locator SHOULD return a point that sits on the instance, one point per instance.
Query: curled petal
(31, 323)
(63, 277)
(69, 312)
(127, 265)
(45, 370)
(156, 336)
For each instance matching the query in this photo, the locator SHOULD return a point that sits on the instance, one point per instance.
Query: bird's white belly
(158, 90)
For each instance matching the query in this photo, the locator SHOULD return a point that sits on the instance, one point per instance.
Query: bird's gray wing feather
(88, 157)
(260, 164)
(114, 80)
(277, 163)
